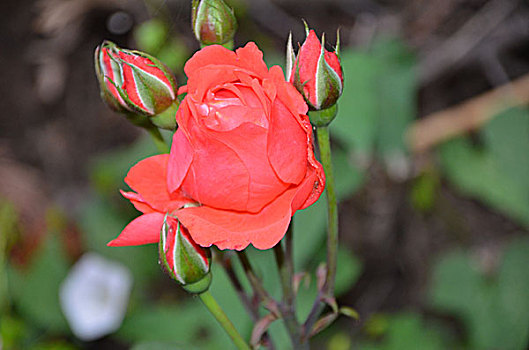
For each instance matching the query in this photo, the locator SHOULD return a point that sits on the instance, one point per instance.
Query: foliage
(493, 307)
(501, 162)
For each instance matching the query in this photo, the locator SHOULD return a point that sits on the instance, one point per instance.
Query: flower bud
(213, 22)
(315, 72)
(183, 259)
(132, 81)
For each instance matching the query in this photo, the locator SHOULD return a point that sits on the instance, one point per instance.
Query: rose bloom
(243, 155)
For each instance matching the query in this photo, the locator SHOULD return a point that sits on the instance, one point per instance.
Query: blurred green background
(434, 250)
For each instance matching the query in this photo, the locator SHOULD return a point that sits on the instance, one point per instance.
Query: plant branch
(287, 307)
(255, 282)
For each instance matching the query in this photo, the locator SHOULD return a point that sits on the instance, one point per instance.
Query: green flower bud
(213, 22)
(183, 259)
(135, 82)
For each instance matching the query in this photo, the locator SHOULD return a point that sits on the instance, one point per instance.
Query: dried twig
(469, 115)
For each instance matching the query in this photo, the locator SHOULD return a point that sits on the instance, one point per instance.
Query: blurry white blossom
(94, 296)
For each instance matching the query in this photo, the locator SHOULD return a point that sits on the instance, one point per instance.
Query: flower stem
(157, 138)
(332, 208)
(223, 320)
(332, 230)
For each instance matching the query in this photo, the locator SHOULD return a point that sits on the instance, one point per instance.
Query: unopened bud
(133, 81)
(183, 259)
(316, 72)
(213, 22)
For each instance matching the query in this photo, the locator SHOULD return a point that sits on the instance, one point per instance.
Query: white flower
(94, 296)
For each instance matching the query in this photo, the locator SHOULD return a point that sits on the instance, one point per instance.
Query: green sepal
(323, 117)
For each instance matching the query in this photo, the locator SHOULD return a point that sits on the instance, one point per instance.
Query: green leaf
(396, 90)
(356, 122)
(408, 331)
(348, 270)
(35, 292)
(502, 165)
(188, 323)
(160, 346)
(100, 223)
(151, 35)
(108, 170)
(347, 176)
(8, 227)
(507, 138)
(494, 309)
(309, 231)
(378, 100)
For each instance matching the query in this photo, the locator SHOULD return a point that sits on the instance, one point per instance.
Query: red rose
(243, 152)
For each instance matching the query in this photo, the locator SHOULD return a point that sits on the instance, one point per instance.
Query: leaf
(349, 312)
(151, 35)
(8, 224)
(108, 170)
(481, 301)
(408, 331)
(502, 165)
(35, 292)
(356, 122)
(188, 322)
(100, 223)
(309, 231)
(378, 101)
(348, 270)
(347, 176)
(160, 346)
(395, 90)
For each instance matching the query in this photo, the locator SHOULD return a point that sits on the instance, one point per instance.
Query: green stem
(223, 320)
(332, 229)
(332, 208)
(157, 138)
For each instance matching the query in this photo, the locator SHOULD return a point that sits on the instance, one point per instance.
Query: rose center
(231, 105)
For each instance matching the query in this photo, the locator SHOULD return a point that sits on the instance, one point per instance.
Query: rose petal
(138, 202)
(308, 61)
(144, 229)
(287, 145)
(249, 141)
(309, 191)
(149, 179)
(251, 58)
(287, 93)
(235, 230)
(217, 177)
(180, 159)
(212, 54)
